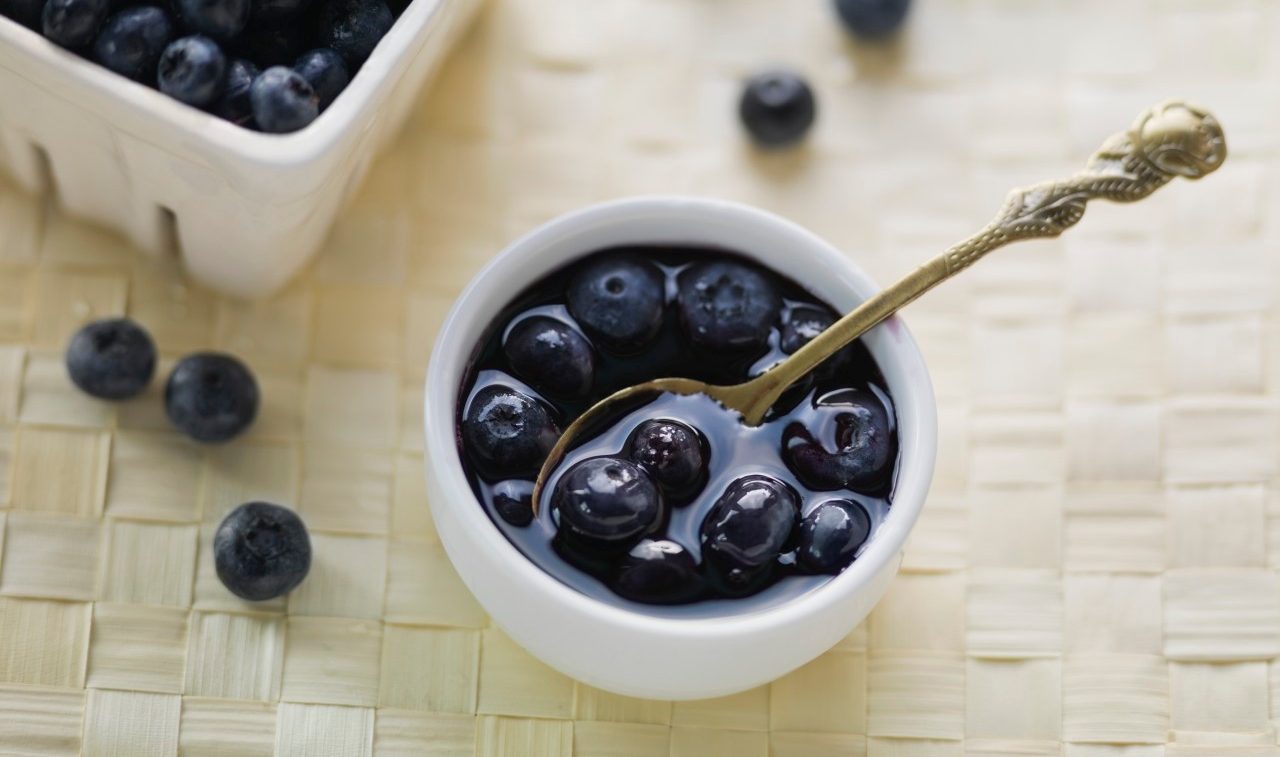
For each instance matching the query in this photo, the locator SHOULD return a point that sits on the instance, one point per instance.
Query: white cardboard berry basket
(245, 210)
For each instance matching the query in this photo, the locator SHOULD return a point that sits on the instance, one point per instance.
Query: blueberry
(803, 324)
(830, 535)
(727, 306)
(747, 528)
(618, 300)
(777, 108)
(274, 45)
(352, 28)
(234, 104)
(551, 356)
(73, 24)
(873, 19)
(282, 100)
(606, 502)
(261, 551)
(211, 397)
(25, 12)
(325, 72)
(507, 433)
(850, 445)
(112, 359)
(673, 453)
(273, 12)
(193, 70)
(513, 501)
(131, 42)
(659, 573)
(219, 19)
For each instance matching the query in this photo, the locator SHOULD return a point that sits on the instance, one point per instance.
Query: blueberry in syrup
(619, 301)
(803, 323)
(551, 356)
(112, 359)
(211, 397)
(234, 104)
(673, 453)
(747, 528)
(727, 305)
(777, 108)
(507, 433)
(132, 40)
(850, 444)
(606, 502)
(261, 551)
(325, 71)
(220, 19)
(513, 500)
(831, 535)
(193, 70)
(659, 572)
(282, 101)
(73, 24)
(352, 28)
(873, 19)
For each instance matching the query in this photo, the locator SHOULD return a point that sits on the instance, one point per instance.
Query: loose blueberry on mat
(777, 108)
(802, 325)
(274, 45)
(873, 19)
(211, 397)
(659, 572)
(606, 502)
(132, 40)
(508, 433)
(234, 104)
(219, 19)
(513, 500)
(619, 301)
(282, 100)
(261, 551)
(551, 356)
(830, 535)
(325, 71)
(352, 28)
(73, 24)
(727, 306)
(25, 12)
(850, 446)
(193, 70)
(673, 453)
(747, 529)
(112, 359)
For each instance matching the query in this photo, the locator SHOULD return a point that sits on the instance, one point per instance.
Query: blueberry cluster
(673, 503)
(272, 65)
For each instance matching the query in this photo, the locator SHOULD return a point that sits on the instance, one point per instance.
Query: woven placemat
(1095, 575)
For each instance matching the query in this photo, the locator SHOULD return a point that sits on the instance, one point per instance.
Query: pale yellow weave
(1097, 572)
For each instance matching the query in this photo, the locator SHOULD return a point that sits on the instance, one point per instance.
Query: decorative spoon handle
(1170, 140)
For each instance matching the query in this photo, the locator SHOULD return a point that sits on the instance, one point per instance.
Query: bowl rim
(481, 299)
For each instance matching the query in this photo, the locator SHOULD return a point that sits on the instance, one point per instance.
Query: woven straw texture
(1097, 573)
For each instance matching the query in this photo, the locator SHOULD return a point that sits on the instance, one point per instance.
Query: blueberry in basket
(673, 504)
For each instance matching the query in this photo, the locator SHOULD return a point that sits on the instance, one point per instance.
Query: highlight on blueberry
(850, 445)
(234, 104)
(803, 323)
(727, 306)
(211, 397)
(73, 24)
(282, 100)
(325, 71)
(552, 356)
(507, 433)
(606, 502)
(513, 501)
(112, 359)
(618, 300)
(830, 536)
(747, 529)
(659, 572)
(261, 551)
(132, 40)
(193, 70)
(777, 108)
(352, 28)
(673, 453)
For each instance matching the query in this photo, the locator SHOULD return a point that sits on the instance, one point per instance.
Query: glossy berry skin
(830, 535)
(551, 356)
(73, 24)
(261, 551)
(851, 446)
(777, 108)
(606, 502)
(513, 500)
(674, 455)
(282, 101)
(234, 105)
(507, 433)
(274, 45)
(112, 359)
(132, 40)
(325, 71)
(727, 306)
(747, 528)
(25, 12)
(873, 19)
(618, 301)
(659, 573)
(211, 397)
(352, 28)
(802, 325)
(220, 19)
(193, 70)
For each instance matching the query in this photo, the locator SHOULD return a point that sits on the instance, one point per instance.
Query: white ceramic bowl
(246, 210)
(614, 648)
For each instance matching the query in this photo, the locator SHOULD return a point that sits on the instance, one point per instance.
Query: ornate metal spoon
(1170, 140)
